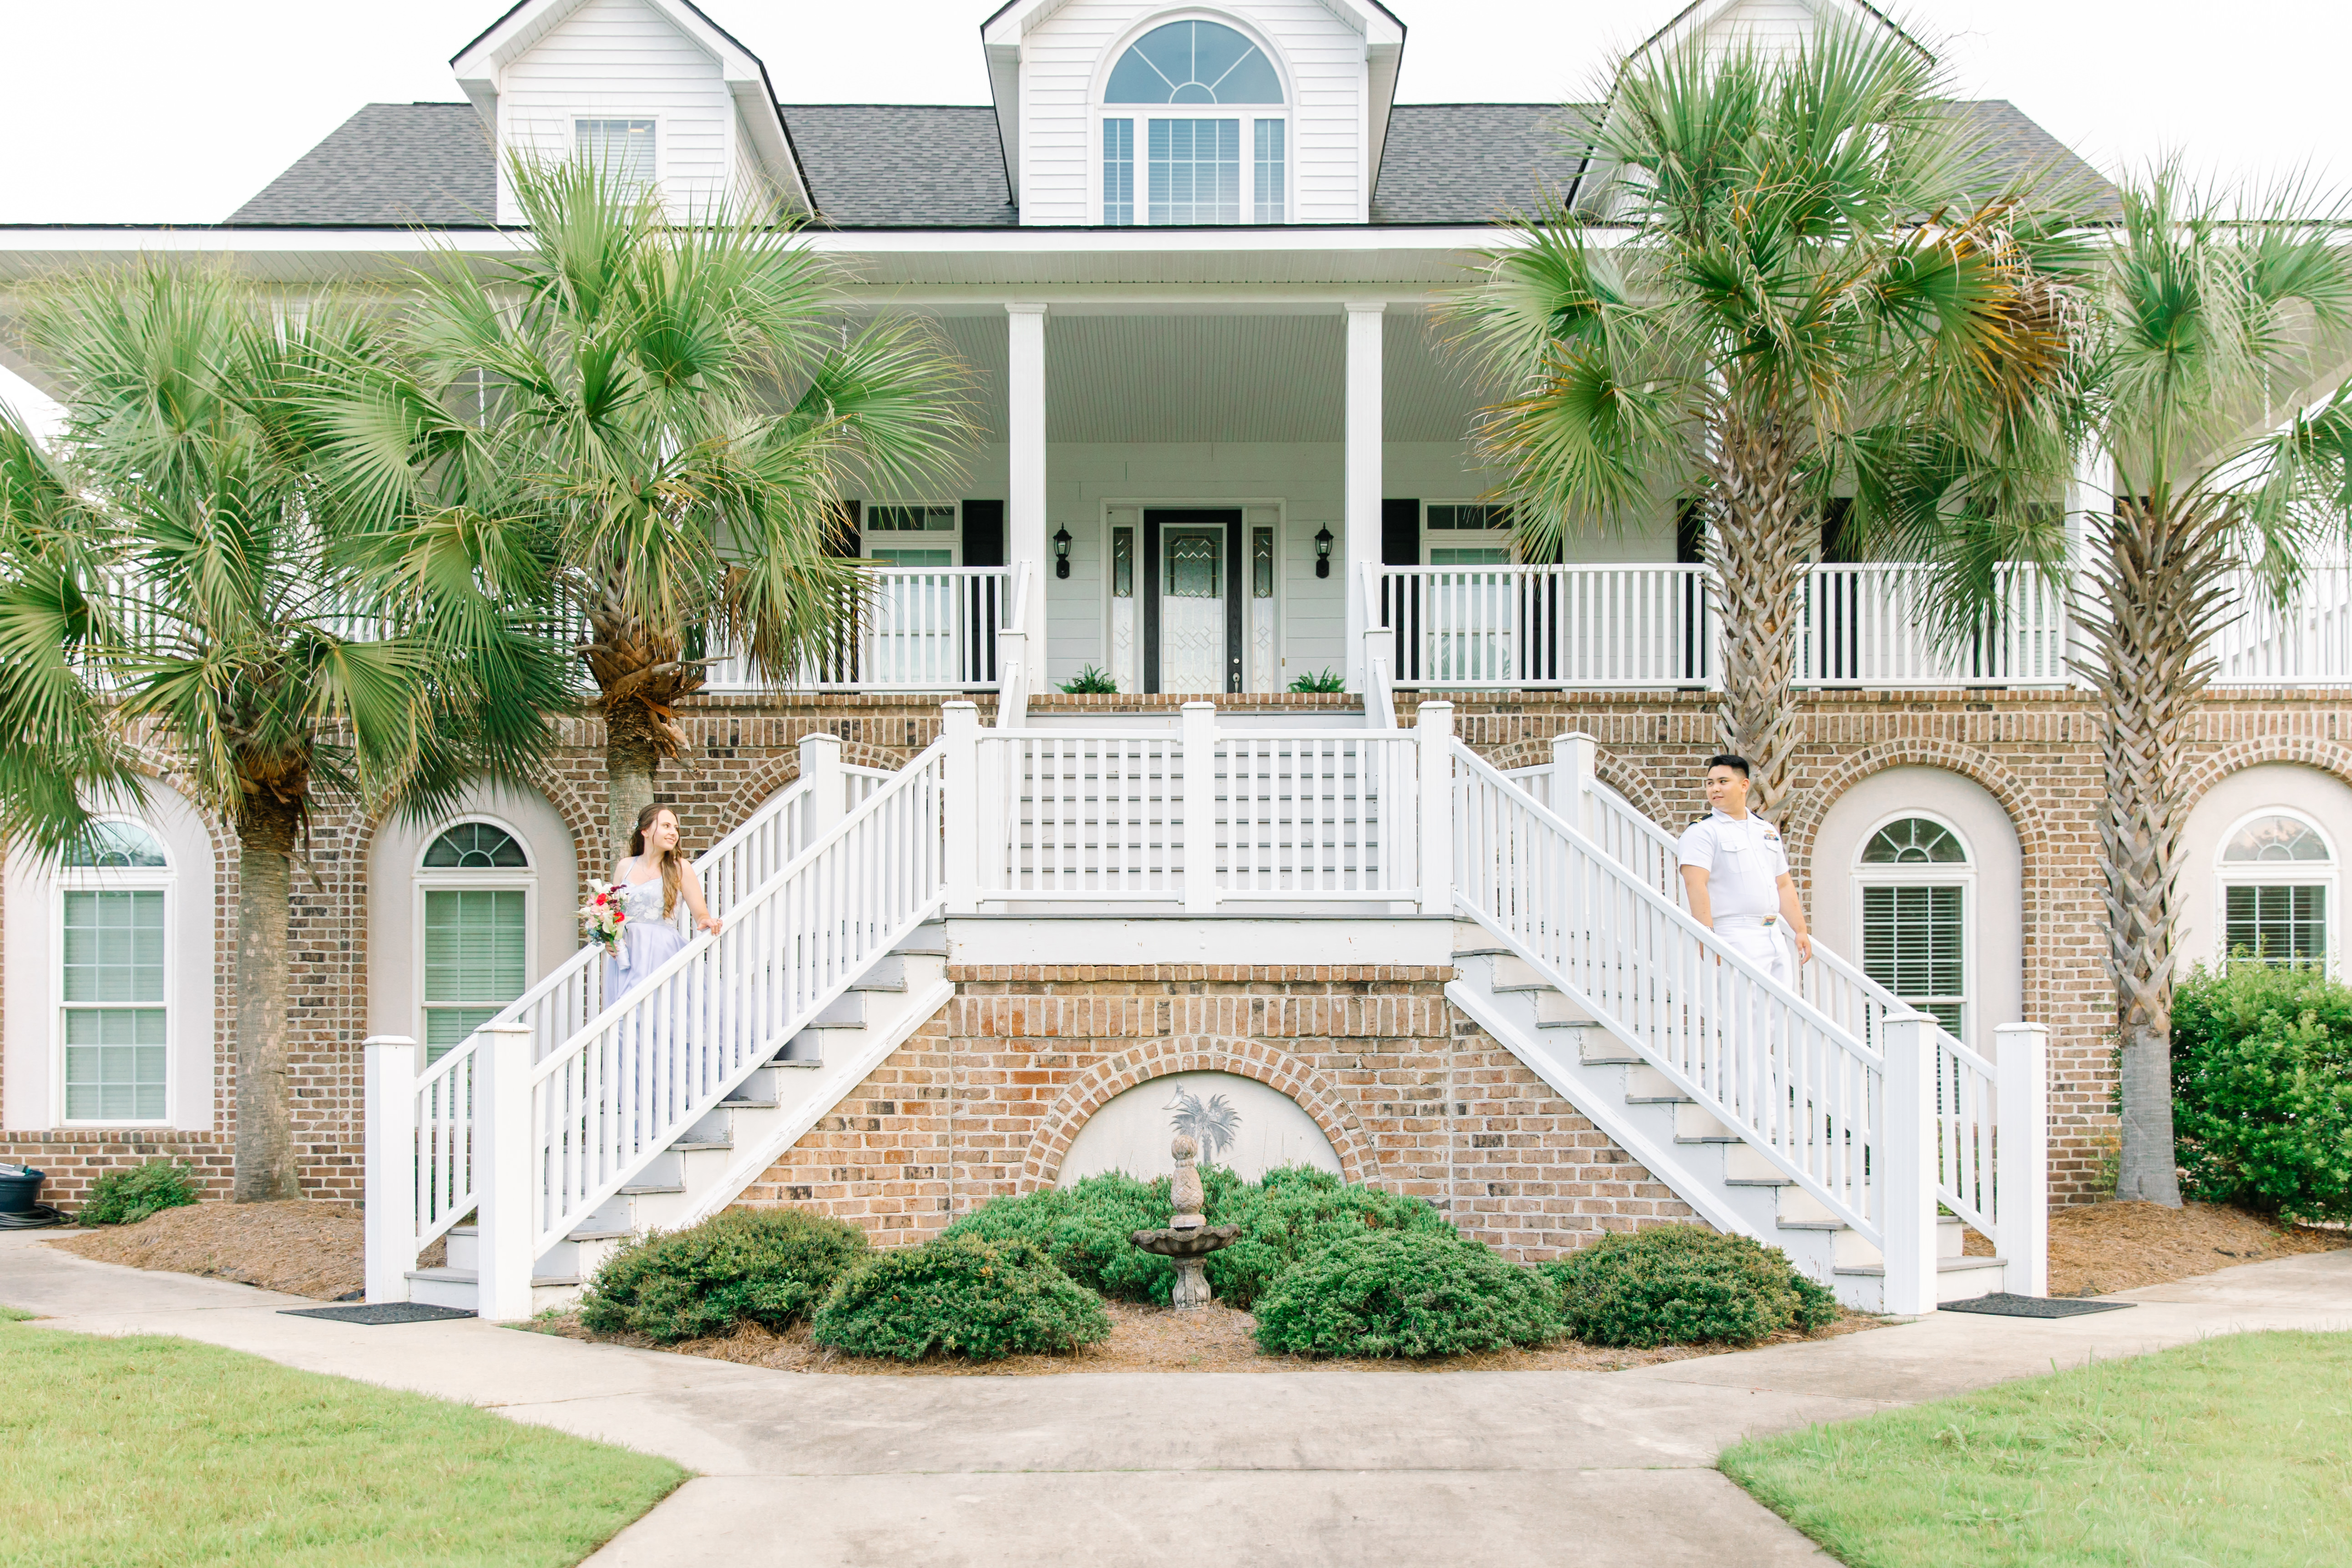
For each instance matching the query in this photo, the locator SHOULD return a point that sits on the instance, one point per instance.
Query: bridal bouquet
(601, 919)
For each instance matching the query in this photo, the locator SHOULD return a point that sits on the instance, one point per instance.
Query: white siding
(1321, 57)
(611, 59)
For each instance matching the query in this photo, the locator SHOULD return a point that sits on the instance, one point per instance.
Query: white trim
(2321, 874)
(951, 540)
(160, 878)
(1961, 874)
(423, 879)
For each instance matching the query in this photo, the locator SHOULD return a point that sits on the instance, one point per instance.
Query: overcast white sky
(169, 111)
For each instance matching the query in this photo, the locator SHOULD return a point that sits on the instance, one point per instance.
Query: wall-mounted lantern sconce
(1062, 551)
(1323, 550)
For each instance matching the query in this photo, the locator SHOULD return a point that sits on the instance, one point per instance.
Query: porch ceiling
(1202, 378)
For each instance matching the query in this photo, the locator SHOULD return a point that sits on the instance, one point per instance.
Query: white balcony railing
(921, 628)
(2308, 643)
(1584, 627)
(1874, 626)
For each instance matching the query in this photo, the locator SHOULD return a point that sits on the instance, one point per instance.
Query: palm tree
(2209, 317)
(665, 418)
(1781, 279)
(178, 592)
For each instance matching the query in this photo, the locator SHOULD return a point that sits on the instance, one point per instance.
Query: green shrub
(126, 1197)
(1683, 1284)
(1090, 682)
(1321, 680)
(1294, 1212)
(1084, 1229)
(1405, 1293)
(769, 1266)
(2262, 1087)
(960, 1295)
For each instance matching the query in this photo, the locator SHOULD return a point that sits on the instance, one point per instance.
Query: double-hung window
(2277, 880)
(115, 888)
(622, 148)
(1193, 130)
(899, 533)
(476, 884)
(1915, 886)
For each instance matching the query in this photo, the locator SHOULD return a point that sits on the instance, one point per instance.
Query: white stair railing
(422, 1150)
(623, 1089)
(1789, 1079)
(1982, 1106)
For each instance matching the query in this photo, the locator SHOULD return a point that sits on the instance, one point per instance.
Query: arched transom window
(2277, 877)
(1916, 885)
(1192, 160)
(475, 886)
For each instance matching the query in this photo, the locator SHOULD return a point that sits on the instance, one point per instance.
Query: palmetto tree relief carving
(1213, 1123)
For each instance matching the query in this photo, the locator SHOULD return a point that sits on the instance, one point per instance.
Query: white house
(1195, 257)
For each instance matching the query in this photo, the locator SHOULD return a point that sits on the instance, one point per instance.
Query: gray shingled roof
(389, 163)
(889, 165)
(920, 166)
(1471, 163)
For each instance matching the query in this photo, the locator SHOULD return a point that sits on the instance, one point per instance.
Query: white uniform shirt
(1743, 861)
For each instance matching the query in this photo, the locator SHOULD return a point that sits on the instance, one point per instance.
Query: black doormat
(2001, 1304)
(377, 1313)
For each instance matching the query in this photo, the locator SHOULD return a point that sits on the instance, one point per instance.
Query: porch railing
(2306, 643)
(917, 628)
(1583, 626)
(1874, 626)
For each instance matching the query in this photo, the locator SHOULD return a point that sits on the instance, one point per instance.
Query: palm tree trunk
(2149, 639)
(265, 1103)
(1759, 542)
(631, 753)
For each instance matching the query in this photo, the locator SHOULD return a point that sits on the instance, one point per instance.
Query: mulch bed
(301, 1247)
(1153, 1339)
(2096, 1250)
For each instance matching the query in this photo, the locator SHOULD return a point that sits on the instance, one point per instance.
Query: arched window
(476, 891)
(1916, 885)
(2277, 876)
(1194, 161)
(115, 890)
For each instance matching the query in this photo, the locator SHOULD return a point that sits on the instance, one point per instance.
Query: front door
(1193, 641)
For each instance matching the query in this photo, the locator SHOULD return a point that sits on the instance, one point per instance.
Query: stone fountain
(1189, 1239)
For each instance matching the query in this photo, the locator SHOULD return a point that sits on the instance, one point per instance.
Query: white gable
(1048, 59)
(549, 64)
(1768, 26)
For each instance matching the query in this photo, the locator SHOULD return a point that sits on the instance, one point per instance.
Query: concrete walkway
(1337, 1468)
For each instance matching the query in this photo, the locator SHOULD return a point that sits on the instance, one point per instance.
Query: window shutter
(1400, 533)
(983, 533)
(845, 543)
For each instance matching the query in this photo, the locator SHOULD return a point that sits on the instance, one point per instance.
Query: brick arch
(2326, 756)
(2026, 819)
(1609, 766)
(578, 820)
(1313, 1092)
(783, 766)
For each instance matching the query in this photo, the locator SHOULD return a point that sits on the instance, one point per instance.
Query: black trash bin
(20, 1194)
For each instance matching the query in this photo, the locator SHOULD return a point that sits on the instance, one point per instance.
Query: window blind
(2278, 923)
(473, 961)
(1914, 942)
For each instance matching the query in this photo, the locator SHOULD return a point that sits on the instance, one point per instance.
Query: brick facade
(984, 1100)
(2035, 752)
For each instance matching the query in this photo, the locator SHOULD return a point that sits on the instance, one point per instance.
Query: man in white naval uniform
(1738, 875)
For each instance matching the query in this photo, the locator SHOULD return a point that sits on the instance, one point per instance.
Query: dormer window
(1191, 161)
(621, 148)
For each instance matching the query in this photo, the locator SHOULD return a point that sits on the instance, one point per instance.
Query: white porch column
(2021, 1155)
(1360, 508)
(1025, 431)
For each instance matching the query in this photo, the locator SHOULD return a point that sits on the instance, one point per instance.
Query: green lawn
(2235, 1450)
(137, 1451)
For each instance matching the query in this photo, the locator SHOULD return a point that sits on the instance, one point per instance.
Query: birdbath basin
(1188, 1237)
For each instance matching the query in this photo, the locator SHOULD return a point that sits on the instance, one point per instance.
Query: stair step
(584, 1233)
(1647, 1085)
(747, 1102)
(652, 1188)
(469, 1276)
(1600, 1048)
(684, 1147)
(928, 941)
(1943, 1266)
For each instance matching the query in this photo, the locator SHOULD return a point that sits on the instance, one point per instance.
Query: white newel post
(828, 785)
(1574, 756)
(2021, 1155)
(1907, 1147)
(506, 1195)
(1200, 753)
(1437, 752)
(392, 1063)
(1024, 432)
(1014, 679)
(960, 787)
(1360, 504)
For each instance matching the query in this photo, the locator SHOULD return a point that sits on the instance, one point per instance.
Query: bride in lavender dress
(653, 880)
